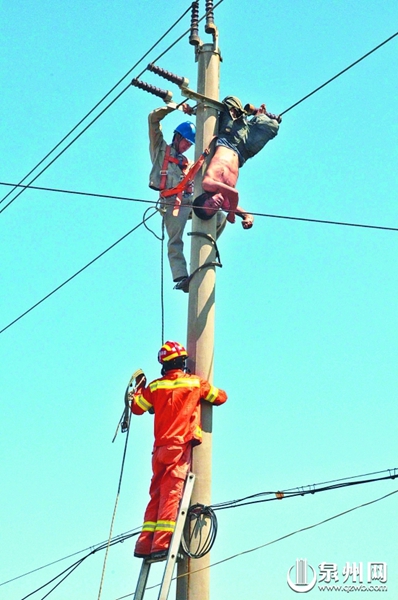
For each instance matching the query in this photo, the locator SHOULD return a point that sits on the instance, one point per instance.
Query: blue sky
(306, 319)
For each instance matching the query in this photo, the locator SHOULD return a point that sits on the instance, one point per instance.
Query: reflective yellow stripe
(170, 384)
(165, 526)
(142, 403)
(149, 526)
(198, 432)
(171, 356)
(212, 395)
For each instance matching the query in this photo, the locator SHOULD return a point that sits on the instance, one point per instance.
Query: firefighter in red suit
(175, 401)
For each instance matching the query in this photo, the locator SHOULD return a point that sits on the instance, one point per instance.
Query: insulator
(152, 89)
(250, 109)
(210, 26)
(180, 81)
(194, 38)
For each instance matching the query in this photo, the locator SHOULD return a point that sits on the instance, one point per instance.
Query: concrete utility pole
(201, 312)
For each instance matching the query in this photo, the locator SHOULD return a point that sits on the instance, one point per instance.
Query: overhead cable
(283, 537)
(69, 570)
(103, 111)
(345, 512)
(78, 272)
(108, 545)
(392, 474)
(121, 537)
(325, 221)
(338, 74)
(302, 491)
(89, 113)
(257, 214)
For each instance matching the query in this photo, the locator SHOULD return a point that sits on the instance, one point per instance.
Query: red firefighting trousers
(170, 466)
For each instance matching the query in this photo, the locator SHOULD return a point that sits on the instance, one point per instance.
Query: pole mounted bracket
(200, 98)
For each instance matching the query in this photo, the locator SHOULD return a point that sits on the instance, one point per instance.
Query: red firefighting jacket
(175, 399)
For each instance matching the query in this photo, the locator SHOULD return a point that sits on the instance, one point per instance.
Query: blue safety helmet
(186, 130)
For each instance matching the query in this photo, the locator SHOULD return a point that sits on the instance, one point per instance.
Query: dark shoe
(182, 284)
(158, 556)
(141, 555)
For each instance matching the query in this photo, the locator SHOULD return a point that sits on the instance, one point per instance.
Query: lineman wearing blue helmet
(169, 165)
(187, 130)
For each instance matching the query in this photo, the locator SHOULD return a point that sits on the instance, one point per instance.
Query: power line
(76, 193)
(69, 570)
(392, 474)
(67, 146)
(78, 272)
(88, 114)
(301, 491)
(325, 221)
(284, 537)
(103, 111)
(120, 537)
(117, 97)
(304, 528)
(257, 214)
(341, 73)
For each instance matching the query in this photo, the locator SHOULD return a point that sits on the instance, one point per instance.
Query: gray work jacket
(157, 150)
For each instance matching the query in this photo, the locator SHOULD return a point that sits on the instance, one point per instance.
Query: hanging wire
(219, 562)
(201, 529)
(393, 474)
(76, 274)
(115, 508)
(162, 282)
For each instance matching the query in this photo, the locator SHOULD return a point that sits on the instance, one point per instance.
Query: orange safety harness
(188, 178)
(182, 162)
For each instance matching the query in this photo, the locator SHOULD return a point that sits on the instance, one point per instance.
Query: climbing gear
(182, 161)
(171, 350)
(124, 421)
(140, 379)
(178, 190)
(184, 283)
(187, 130)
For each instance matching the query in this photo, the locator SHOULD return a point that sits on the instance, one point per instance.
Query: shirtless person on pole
(238, 139)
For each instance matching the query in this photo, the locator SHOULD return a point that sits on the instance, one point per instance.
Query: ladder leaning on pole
(173, 550)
